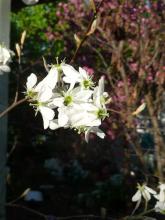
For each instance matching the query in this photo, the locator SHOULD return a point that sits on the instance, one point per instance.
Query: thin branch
(13, 105)
(28, 209)
(58, 218)
(83, 216)
(13, 147)
(115, 111)
(86, 33)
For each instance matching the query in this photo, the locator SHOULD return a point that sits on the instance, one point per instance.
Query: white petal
(85, 119)
(75, 114)
(156, 196)
(70, 72)
(31, 81)
(162, 196)
(97, 97)
(94, 130)
(146, 195)
(45, 94)
(83, 73)
(162, 186)
(137, 196)
(96, 122)
(150, 190)
(72, 82)
(5, 68)
(87, 133)
(101, 85)
(52, 77)
(160, 206)
(78, 120)
(5, 54)
(83, 95)
(71, 75)
(50, 80)
(62, 117)
(58, 101)
(92, 120)
(99, 132)
(47, 113)
(45, 122)
(98, 92)
(53, 125)
(89, 107)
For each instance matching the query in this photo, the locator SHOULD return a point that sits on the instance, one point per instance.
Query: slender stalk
(28, 209)
(12, 106)
(140, 216)
(87, 31)
(44, 216)
(146, 205)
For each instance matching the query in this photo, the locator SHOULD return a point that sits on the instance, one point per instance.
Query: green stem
(140, 216)
(145, 207)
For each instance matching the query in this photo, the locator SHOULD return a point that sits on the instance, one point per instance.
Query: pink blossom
(134, 66)
(89, 70)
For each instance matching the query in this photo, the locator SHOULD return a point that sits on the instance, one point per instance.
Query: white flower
(31, 93)
(71, 75)
(5, 56)
(49, 81)
(160, 207)
(100, 97)
(143, 191)
(85, 80)
(89, 114)
(161, 195)
(160, 204)
(30, 2)
(40, 96)
(68, 103)
(96, 110)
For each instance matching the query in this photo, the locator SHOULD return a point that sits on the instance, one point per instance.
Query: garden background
(97, 178)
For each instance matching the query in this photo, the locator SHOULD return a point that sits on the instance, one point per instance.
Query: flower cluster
(5, 57)
(146, 193)
(68, 98)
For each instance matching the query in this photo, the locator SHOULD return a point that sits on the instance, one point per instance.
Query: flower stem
(140, 216)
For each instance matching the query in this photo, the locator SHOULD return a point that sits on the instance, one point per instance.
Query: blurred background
(66, 175)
